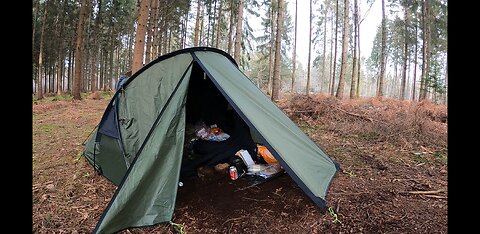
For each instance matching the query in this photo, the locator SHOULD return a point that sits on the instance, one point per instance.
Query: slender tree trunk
(278, 46)
(131, 35)
(102, 70)
(69, 68)
(382, 52)
(40, 89)
(45, 81)
(112, 51)
(197, 24)
(36, 7)
(165, 37)
(359, 54)
(324, 59)
(230, 31)
(185, 27)
(60, 69)
(426, 51)
(39, 93)
(294, 56)
(79, 53)
(209, 13)
(405, 56)
(330, 84)
(354, 62)
(238, 32)
(169, 40)
(152, 22)
(332, 92)
(213, 23)
(219, 18)
(307, 91)
(202, 23)
(93, 81)
(270, 56)
(446, 84)
(139, 49)
(415, 64)
(343, 68)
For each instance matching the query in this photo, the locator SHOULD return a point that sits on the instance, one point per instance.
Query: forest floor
(393, 176)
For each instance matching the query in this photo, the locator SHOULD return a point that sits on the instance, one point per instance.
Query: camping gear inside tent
(140, 140)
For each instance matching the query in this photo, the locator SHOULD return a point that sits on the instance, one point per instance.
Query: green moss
(47, 127)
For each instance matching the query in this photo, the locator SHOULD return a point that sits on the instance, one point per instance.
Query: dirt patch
(393, 176)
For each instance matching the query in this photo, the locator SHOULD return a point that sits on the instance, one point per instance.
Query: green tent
(140, 139)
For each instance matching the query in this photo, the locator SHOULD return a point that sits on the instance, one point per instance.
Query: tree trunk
(102, 70)
(415, 64)
(131, 35)
(405, 56)
(185, 28)
(78, 53)
(213, 23)
(93, 80)
(36, 7)
(152, 22)
(330, 84)
(112, 51)
(39, 94)
(294, 56)
(69, 68)
(332, 91)
(426, 51)
(219, 17)
(270, 55)
(139, 49)
(60, 68)
(197, 24)
(382, 52)
(209, 9)
(324, 59)
(354, 63)
(230, 31)
(307, 91)
(278, 53)
(202, 18)
(359, 54)
(238, 32)
(343, 68)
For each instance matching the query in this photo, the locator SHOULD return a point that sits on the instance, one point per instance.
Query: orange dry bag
(266, 155)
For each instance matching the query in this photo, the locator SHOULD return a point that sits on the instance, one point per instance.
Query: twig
(338, 206)
(232, 219)
(253, 199)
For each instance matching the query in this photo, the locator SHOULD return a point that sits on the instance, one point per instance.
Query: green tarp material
(151, 123)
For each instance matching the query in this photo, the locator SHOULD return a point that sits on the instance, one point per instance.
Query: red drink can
(233, 172)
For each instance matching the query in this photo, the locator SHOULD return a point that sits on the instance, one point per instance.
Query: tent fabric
(141, 100)
(151, 114)
(148, 194)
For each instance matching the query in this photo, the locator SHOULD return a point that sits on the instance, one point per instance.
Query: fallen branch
(435, 196)
(424, 193)
(427, 192)
(356, 115)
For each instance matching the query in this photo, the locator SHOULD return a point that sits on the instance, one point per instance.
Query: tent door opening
(207, 106)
